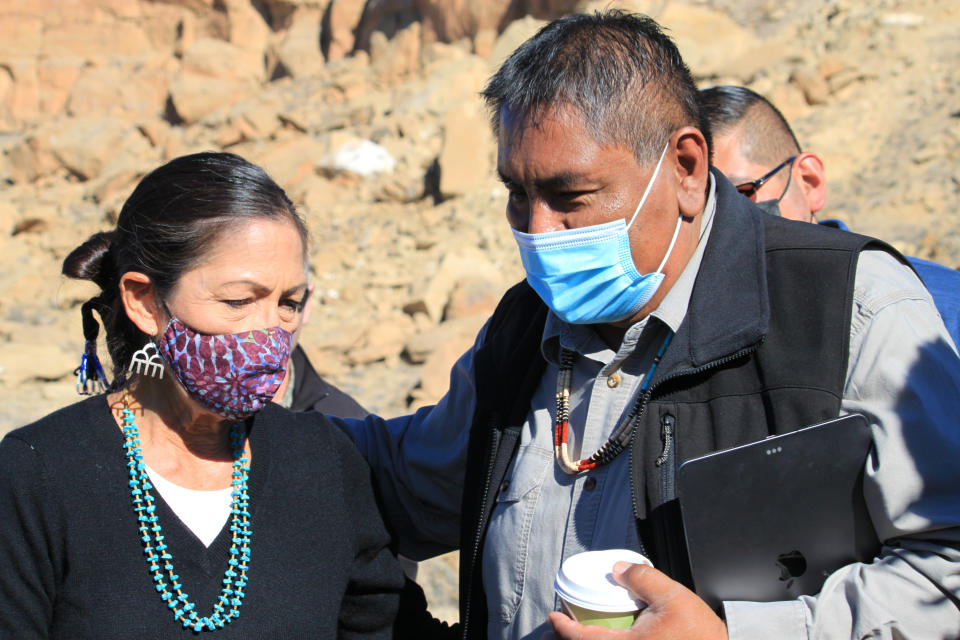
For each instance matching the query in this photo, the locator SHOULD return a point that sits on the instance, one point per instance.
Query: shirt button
(613, 380)
(590, 484)
(504, 486)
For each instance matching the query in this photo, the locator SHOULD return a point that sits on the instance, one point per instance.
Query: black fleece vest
(792, 377)
(785, 377)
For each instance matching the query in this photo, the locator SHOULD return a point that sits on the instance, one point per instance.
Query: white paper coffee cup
(589, 593)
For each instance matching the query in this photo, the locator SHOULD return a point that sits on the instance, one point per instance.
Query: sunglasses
(749, 189)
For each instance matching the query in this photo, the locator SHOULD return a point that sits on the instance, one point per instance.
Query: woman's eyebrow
(295, 289)
(260, 288)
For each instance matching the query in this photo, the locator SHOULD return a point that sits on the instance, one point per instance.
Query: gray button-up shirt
(542, 516)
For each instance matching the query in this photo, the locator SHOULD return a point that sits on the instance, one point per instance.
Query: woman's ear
(140, 302)
(693, 169)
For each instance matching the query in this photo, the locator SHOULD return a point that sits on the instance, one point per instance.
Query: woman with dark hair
(182, 500)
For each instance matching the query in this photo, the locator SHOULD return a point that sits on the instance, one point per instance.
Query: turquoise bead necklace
(166, 581)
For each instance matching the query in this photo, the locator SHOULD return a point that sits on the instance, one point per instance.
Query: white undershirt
(203, 512)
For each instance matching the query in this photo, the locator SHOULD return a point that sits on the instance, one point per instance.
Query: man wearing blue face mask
(751, 136)
(663, 317)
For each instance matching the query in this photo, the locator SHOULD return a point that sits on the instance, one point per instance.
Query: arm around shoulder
(418, 464)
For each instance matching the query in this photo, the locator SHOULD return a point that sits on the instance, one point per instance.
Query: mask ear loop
(653, 179)
(170, 317)
(673, 241)
(786, 188)
(643, 198)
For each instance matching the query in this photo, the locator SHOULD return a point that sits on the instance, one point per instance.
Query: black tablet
(772, 519)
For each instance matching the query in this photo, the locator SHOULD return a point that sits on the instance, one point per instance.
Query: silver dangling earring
(147, 362)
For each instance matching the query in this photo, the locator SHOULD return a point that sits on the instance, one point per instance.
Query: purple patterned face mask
(233, 375)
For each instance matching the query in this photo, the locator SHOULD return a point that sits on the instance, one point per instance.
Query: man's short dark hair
(763, 134)
(617, 70)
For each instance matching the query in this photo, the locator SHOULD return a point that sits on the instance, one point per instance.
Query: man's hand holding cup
(665, 609)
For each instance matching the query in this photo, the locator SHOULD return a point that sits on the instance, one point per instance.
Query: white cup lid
(586, 580)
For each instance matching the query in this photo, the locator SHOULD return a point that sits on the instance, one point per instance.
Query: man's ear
(692, 170)
(140, 302)
(813, 180)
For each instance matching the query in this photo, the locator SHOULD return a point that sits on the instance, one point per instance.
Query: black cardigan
(72, 565)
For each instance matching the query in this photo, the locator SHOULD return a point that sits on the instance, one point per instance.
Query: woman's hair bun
(90, 261)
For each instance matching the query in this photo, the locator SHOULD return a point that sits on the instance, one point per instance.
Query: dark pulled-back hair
(166, 227)
(762, 133)
(617, 70)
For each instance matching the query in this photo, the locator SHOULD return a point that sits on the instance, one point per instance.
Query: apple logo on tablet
(792, 565)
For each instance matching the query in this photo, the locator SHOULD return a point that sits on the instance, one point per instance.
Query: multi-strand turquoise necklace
(160, 562)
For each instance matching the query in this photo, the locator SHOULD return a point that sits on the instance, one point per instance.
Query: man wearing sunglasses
(754, 146)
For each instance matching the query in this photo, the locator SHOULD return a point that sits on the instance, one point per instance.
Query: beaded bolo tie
(166, 581)
(620, 439)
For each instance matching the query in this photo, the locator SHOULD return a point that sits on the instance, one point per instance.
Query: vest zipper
(672, 376)
(667, 459)
(666, 434)
(465, 623)
(669, 471)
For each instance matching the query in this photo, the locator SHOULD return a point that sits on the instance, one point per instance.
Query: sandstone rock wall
(367, 113)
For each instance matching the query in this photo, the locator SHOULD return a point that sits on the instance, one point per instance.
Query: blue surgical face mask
(587, 275)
